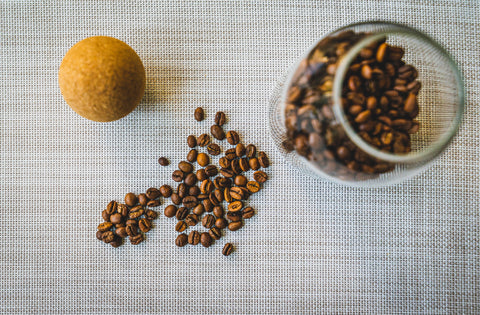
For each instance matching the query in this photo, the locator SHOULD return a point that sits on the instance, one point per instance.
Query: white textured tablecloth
(313, 247)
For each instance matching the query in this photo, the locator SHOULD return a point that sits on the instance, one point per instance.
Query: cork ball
(102, 78)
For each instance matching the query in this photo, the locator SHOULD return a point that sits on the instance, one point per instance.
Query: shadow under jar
(370, 104)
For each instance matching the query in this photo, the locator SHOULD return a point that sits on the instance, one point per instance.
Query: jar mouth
(433, 148)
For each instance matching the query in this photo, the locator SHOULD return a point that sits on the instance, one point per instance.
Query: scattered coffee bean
(176, 199)
(214, 149)
(105, 226)
(260, 177)
(131, 199)
(227, 249)
(240, 180)
(226, 195)
(153, 203)
(206, 187)
(131, 222)
(233, 138)
(182, 190)
(151, 215)
(201, 175)
(99, 235)
(192, 155)
(203, 140)
(215, 233)
(203, 159)
(228, 173)
(199, 114)
(166, 190)
(123, 210)
(190, 201)
(192, 141)
(207, 205)
(185, 167)
(137, 239)
(234, 226)
(217, 132)
(218, 211)
(105, 216)
(240, 150)
(181, 240)
(108, 236)
(208, 221)
(202, 196)
(181, 226)
(116, 218)
(253, 186)
(211, 170)
(152, 193)
(254, 164)
(194, 191)
(220, 118)
(142, 199)
(235, 206)
(230, 154)
(243, 163)
(144, 225)
(263, 159)
(136, 212)
(235, 167)
(190, 179)
(121, 232)
(163, 161)
(198, 209)
(251, 151)
(182, 213)
(248, 212)
(111, 207)
(194, 238)
(237, 193)
(221, 223)
(234, 216)
(206, 239)
(224, 162)
(178, 175)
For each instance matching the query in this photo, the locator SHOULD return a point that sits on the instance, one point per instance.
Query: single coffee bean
(99, 235)
(163, 161)
(221, 182)
(234, 226)
(123, 210)
(119, 225)
(251, 151)
(215, 233)
(207, 205)
(235, 206)
(211, 170)
(254, 164)
(243, 163)
(199, 114)
(111, 207)
(144, 225)
(192, 141)
(381, 52)
(153, 203)
(206, 239)
(192, 155)
(217, 132)
(206, 187)
(131, 230)
(182, 190)
(105, 226)
(166, 190)
(218, 195)
(105, 216)
(117, 241)
(199, 209)
(263, 159)
(208, 221)
(203, 159)
(185, 167)
(221, 223)
(237, 193)
(224, 162)
(248, 212)
(131, 199)
(203, 140)
(218, 211)
(226, 195)
(181, 240)
(121, 231)
(191, 219)
(190, 201)
(108, 236)
(228, 173)
(233, 138)
(235, 167)
(213, 198)
(170, 211)
(240, 180)
(240, 150)
(253, 186)
(245, 191)
(260, 177)
(181, 226)
(136, 212)
(116, 218)
(194, 238)
(227, 249)
(230, 154)
(190, 179)
(131, 222)
(137, 239)
(142, 199)
(194, 190)
(151, 215)
(220, 118)
(201, 175)
(202, 196)
(176, 199)
(234, 216)
(214, 149)
(178, 176)
(152, 193)
(182, 213)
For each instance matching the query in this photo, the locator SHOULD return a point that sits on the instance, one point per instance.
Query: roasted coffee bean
(192, 141)
(194, 238)
(206, 187)
(217, 132)
(228, 173)
(235, 206)
(221, 223)
(203, 159)
(260, 177)
(226, 195)
(136, 212)
(202, 196)
(211, 170)
(198, 209)
(137, 239)
(108, 236)
(166, 191)
(131, 199)
(223, 182)
(253, 186)
(230, 154)
(192, 155)
(235, 167)
(163, 161)
(208, 221)
(194, 190)
(111, 207)
(144, 225)
(151, 215)
(240, 150)
(237, 193)
(182, 190)
(213, 198)
(199, 114)
(185, 167)
(121, 231)
(153, 203)
(243, 163)
(218, 211)
(215, 233)
(131, 222)
(116, 218)
(206, 239)
(263, 159)
(251, 151)
(119, 225)
(233, 138)
(181, 240)
(142, 199)
(99, 235)
(131, 230)
(190, 201)
(254, 164)
(207, 205)
(234, 226)
(180, 226)
(248, 212)
(214, 149)
(246, 192)
(191, 219)
(105, 226)
(201, 175)
(105, 216)
(170, 211)
(240, 180)
(178, 176)
(152, 193)
(176, 199)
(382, 52)
(123, 210)
(227, 249)
(234, 216)
(190, 179)
(220, 118)
(203, 140)
(182, 213)
(224, 162)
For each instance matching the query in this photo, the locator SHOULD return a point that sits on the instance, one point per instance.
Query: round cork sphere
(102, 78)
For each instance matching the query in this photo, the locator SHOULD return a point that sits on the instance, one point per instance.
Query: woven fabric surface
(313, 247)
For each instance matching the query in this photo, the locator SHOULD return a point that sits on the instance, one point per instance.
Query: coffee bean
(235, 167)
(198, 209)
(235, 206)
(176, 199)
(192, 141)
(224, 162)
(208, 221)
(233, 138)
(191, 219)
(142, 199)
(116, 218)
(131, 199)
(99, 235)
(251, 151)
(240, 150)
(202, 196)
(207, 205)
(108, 236)
(131, 222)
(234, 226)
(163, 161)
(240, 180)
(105, 226)
(137, 239)
(185, 167)
(253, 186)
(217, 132)
(363, 116)
(105, 216)
(381, 52)
(151, 215)
(190, 201)
(123, 210)
(144, 225)
(211, 170)
(226, 195)
(111, 207)
(182, 190)
(263, 159)
(248, 212)
(131, 230)
(260, 177)
(221, 223)
(237, 193)
(182, 213)
(254, 164)
(206, 187)
(203, 140)
(221, 182)
(181, 240)
(153, 203)
(203, 159)
(199, 114)
(230, 154)
(206, 239)
(227, 249)
(165, 191)
(136, 212)
(220, 118)
(214, 149)
(192, 155)
(117, 242)
(194, 191)
(190, 179)
(228, 173)
(213, 198)
(194, 238)
(243, 163)
(178, 176)
(180, 226)
(152, 193)
(215, 233)
(201, 175)
(121, 232)
(234, 216)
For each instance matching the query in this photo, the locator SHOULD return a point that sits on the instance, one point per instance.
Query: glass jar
(370, 104)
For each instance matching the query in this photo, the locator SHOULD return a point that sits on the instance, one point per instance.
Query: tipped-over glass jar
(368, 105)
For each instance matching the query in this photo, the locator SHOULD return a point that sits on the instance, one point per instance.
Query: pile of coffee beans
(379, 98)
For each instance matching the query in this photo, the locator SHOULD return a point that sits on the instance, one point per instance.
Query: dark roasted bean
(199, 114)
